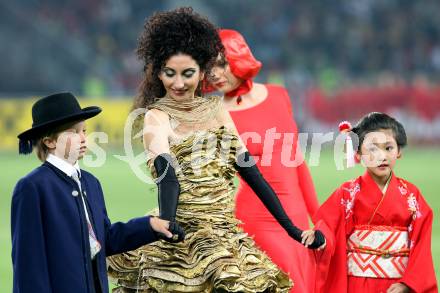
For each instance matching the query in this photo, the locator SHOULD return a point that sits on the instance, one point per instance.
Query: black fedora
(52, 111)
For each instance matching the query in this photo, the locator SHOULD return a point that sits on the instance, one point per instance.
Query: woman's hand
(307, 238)
(398, 288)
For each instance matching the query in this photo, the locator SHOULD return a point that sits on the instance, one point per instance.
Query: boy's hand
(161, 226)
(166, 230)
(398, 288)
(307, 238)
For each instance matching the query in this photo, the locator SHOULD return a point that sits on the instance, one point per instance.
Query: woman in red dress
(263, 116)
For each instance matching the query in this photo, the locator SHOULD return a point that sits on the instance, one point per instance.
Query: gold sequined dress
(216, 253)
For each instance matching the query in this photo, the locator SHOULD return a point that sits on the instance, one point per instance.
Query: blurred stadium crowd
(331, 55)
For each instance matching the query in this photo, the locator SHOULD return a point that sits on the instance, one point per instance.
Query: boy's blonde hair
(41, 149)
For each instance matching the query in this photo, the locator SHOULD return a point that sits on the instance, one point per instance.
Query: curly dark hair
(169, 33)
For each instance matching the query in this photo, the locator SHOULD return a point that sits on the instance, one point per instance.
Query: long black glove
(248, 170)
(169, 190)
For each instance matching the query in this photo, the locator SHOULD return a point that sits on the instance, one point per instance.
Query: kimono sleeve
(29, 259)
(331, 271)
(420, 261)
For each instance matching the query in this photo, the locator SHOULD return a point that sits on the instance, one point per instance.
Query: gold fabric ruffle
(216, 253)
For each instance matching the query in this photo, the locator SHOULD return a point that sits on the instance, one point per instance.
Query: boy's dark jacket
(50, 242)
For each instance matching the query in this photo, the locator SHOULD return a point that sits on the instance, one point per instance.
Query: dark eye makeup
(186, 73)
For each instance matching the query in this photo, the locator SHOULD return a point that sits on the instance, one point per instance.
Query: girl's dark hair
(376, 121)
(169, 33)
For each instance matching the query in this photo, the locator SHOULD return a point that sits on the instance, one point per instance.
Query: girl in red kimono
(377, 226)
(265, 112)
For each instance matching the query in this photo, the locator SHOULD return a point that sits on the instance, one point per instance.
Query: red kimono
(274, 143)
(375, 240)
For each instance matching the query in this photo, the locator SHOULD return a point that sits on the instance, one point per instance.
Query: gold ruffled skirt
(216, 254)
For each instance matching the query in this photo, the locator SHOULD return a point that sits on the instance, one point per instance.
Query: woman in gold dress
(194, 153)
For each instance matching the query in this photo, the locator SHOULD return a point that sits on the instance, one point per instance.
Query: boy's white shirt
(63, 165)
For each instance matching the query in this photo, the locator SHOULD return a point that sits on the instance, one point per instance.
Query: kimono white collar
(64, 166)
(384, 190)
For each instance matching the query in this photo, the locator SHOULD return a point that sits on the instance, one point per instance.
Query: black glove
(319, 240)
(248, 170)
(176, 230)
(168, 190)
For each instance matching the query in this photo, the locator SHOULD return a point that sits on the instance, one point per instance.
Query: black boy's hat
(52, 111)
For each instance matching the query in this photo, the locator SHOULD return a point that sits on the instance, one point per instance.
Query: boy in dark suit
(61, 233)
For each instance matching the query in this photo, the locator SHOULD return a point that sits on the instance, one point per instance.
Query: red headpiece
(241, 61)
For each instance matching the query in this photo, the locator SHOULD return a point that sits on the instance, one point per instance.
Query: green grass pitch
(127, 197)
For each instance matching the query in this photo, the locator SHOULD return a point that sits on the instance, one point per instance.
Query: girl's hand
(398, 288)
(307, 238)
